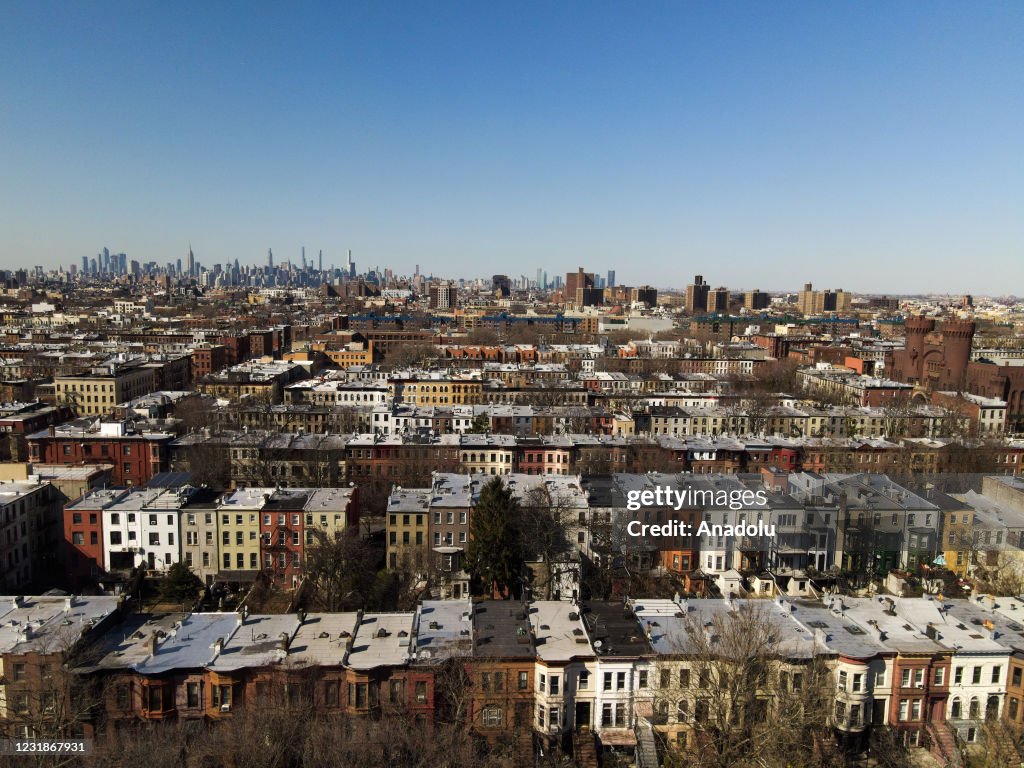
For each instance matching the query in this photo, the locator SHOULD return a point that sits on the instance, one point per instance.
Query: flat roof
(444, 628)
(49, 624)
(382, 639)
(501, 629)
(559, 631)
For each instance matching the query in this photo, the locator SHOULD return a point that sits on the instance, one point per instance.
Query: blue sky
(870, 146)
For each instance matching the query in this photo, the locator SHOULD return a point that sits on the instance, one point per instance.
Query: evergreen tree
(494, 555)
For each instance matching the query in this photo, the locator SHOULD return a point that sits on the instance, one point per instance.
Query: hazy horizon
(874, 148)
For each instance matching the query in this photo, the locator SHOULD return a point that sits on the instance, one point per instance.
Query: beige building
(97, 392)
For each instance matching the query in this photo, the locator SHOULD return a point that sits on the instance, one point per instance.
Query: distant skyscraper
(611, 278)
(270, 258)
(320, 262)
(191, 262)
(350, 268)
(85, 265)
(303, 258)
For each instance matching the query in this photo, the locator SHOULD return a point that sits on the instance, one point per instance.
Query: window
(1017, 677)
(955, 712)
(542, 683)
(682, 710)
(115, 538)
(78, 538)
(524, 681)
(607, 681)
(123, 696)
(583, 682)
(332, 693)
(684, 678)
(665, 678)
(493, 716)
(858, 682)
(958, 675)
(620, 681)
(357, 695)
(642, 679)
(976, 676)
(996, 671)
(1014, 707)
(554, 717)
(554, 685)
(421, 692)
(918, 678)
(192, 695)
(905, 679)
(842, 679)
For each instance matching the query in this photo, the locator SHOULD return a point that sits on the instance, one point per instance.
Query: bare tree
(341, 568)
(741, 698)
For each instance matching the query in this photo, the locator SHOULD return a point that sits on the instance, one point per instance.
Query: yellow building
(97, 392)
(238, 516)
(957, 536)
(407, 523)
(448, 391)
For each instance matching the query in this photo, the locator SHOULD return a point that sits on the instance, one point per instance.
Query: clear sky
(873, 146)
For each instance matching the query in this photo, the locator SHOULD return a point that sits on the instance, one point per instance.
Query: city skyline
(871, 149)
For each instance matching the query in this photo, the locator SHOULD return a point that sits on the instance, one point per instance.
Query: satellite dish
(598, 643)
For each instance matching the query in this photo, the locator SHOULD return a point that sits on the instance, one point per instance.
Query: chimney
(301, 615)
(69, 603)
(18, 601)
(51, 431)
(282, 641)
(218, 646)
(151, 644)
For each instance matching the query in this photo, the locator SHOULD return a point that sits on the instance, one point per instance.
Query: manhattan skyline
(873, 148)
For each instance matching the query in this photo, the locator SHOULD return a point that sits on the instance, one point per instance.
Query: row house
(30, 522)
(136, 456)
(933, 670)
(38, 635)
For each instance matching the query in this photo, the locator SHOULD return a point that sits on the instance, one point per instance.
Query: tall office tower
(540, 279)
(303, 258)
(270, 258)
(175, 268)
(122, 259)
(417, 269)
(350, 268)
(611, 278)
(191, 262)
(105, 266)
(85, 265)
(697, 295)
(320, 261)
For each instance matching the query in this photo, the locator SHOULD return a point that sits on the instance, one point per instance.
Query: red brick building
(135, 456)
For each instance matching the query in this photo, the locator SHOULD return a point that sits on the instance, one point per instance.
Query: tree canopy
(494, 555)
